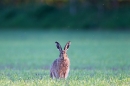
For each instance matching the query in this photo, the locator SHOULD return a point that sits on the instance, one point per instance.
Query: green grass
(76, 78)
(97, 58)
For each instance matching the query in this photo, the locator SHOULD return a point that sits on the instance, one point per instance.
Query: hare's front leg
(66, 74)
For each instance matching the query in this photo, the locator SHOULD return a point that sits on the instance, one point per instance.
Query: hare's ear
(67, 46)
(58, 46)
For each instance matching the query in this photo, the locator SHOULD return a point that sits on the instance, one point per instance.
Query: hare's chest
(64, 64)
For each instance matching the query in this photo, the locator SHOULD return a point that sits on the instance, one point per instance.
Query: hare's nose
(63, 52)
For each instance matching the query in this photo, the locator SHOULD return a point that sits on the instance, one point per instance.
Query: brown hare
(60, 67)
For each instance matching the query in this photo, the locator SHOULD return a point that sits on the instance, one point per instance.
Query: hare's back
(54, 65)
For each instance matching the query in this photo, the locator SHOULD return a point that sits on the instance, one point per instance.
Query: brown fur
(60, 67)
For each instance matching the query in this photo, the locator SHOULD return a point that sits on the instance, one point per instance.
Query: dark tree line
(74, 5)
(109, 3)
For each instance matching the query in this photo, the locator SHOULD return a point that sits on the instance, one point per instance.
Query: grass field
(98, 58)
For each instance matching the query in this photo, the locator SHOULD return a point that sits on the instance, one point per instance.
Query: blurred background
(65, 14)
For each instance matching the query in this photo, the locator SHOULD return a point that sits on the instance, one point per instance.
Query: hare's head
(63, 53)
